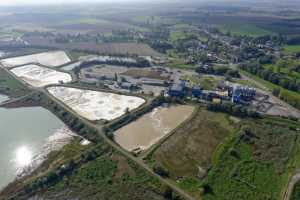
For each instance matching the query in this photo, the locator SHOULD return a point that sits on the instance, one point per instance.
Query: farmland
(103, 48)
(95, 105)
(37, 76)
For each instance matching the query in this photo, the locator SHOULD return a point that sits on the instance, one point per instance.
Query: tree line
(276, 78)
(232, 109)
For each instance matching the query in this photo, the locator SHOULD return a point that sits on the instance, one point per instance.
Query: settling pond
(150, 128)
(23, 134)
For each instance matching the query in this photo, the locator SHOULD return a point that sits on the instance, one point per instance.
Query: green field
(291, 49)
(243, 29)
(256, 163)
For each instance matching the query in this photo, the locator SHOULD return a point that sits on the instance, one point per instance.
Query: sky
(39, 2)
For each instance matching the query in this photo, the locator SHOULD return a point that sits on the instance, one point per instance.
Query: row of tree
(220, 71)
(233, 109)
(269, 75)
(139, 62)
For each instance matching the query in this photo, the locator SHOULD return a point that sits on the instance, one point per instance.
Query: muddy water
(151, 127)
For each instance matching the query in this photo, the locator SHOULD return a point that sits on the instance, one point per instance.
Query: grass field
(243, 29)
(188, 153)
(256, 163)
(10, 86)
(291, 49)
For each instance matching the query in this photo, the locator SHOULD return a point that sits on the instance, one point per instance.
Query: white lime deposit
(96, 105)
(49, 59)
(38, 76)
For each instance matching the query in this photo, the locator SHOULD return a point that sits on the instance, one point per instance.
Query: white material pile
(49, 59)
(38, 76)
(95, 105)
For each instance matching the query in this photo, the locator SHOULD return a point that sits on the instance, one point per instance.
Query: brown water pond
(150, 128)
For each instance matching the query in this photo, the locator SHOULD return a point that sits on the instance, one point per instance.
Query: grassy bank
(10, 86)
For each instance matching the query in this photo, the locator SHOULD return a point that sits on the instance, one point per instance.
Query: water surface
(150, 128)
(23, 132)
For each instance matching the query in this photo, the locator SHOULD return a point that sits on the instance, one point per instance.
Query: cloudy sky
(39, 2)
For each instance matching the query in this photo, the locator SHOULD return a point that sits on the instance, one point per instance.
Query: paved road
(111, 143)
(293, 180)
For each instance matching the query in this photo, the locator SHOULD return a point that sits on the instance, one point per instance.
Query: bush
(161, 171)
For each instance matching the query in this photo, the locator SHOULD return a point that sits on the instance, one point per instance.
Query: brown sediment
(152, 127)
